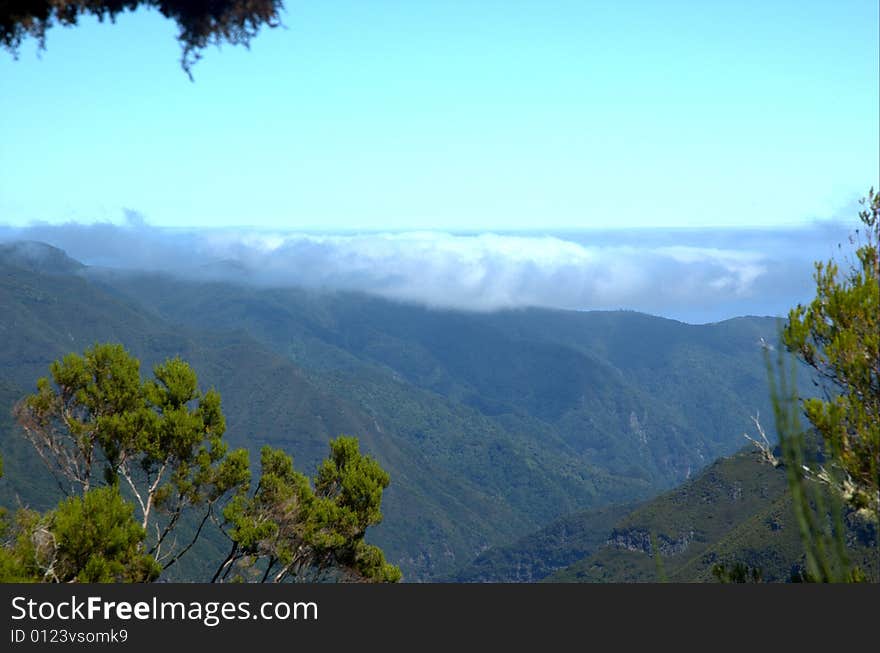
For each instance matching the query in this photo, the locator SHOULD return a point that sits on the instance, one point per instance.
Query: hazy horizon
(691, 275)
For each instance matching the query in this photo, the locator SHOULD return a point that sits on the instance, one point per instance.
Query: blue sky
(453, 115)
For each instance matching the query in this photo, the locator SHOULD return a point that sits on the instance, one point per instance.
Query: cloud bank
(694, 276)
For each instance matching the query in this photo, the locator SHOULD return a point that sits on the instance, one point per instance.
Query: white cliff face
(638, 428)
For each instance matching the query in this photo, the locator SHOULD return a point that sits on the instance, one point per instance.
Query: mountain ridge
(491, 425)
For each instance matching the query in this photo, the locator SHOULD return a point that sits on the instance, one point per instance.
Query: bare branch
(764, 446)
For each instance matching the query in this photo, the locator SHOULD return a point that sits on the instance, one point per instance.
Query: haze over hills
(491, 425)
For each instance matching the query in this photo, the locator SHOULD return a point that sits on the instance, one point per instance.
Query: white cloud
(695, 276)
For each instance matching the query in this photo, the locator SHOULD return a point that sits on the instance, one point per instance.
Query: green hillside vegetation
(737, 512)
(537, 555)
(597, 381)
(490, 425)
(554, 381)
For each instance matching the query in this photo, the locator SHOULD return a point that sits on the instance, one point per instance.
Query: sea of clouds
(696, 276)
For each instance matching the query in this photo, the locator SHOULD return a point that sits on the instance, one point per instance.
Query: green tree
(201, 22)
(95, 539)
(738, 573)
(88, 539)
(17, 555)
(838, 336)
(833, 467)
(121, 447)
(95, 422)
(289, 531)
(12, 566)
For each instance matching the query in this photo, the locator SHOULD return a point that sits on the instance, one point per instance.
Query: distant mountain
(39, 257)
(737, 511)
(648, 397)
(491, 425)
